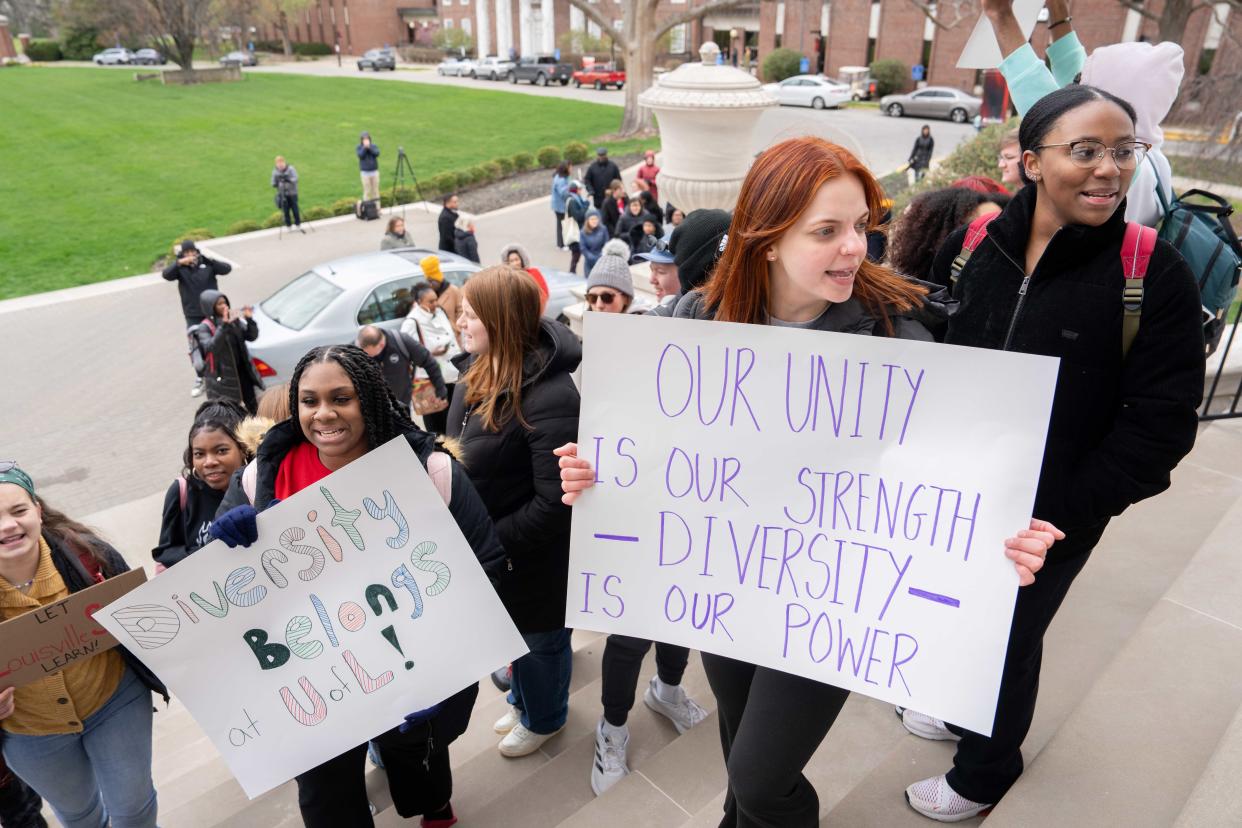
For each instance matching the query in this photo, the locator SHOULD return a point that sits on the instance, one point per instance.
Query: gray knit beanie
(613, 269)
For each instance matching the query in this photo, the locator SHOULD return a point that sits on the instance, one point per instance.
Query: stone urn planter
(707, 114)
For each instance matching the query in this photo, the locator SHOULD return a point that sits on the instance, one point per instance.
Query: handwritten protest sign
(825, 504)
(47, 640)
(360, 602)
(982, 51)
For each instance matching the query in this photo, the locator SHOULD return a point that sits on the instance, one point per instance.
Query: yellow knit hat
(431, 268)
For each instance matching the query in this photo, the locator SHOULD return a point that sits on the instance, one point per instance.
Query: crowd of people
(496, 382)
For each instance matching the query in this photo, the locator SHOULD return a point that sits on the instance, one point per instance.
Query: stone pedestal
(707, 114)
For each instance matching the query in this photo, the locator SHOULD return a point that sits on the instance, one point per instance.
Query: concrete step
(1137, 746)
(1217, 799)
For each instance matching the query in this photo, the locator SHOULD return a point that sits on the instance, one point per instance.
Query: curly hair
(215, 415)
(924, 226)
(383, 417)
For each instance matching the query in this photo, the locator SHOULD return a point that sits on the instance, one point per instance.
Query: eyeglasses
(604, 297)
(1088, 153)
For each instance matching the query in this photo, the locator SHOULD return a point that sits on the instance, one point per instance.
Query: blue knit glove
(236, 527)
(416, 718)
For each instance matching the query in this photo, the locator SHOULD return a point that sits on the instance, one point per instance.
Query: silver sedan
(327, 304)
(933, 102)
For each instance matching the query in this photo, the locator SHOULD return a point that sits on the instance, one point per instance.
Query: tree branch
(592, 13)
(962, 10)
(696, 14)
(1137, 5)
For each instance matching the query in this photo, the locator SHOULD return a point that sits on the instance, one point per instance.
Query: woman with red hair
(795, 256)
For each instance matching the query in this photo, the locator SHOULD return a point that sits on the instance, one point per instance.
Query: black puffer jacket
(229, 373)
(1118, 427)
(520, 480)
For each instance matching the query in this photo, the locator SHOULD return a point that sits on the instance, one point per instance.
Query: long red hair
(777, 191)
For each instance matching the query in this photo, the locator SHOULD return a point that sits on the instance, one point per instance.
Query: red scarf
(300, 468)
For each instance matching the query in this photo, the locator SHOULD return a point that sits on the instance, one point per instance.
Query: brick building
(830, 33)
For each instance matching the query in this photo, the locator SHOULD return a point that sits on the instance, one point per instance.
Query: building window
(447, 2)
(593, 28)
(448, 22)
(467, 25)
(677, 39)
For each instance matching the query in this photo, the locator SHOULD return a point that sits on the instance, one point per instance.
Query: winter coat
(628, 221)
(921, 152)
(392, 240)
(184, 531)
(560, 190)
(519, 478)
(648, 173)
(285, 181)
(612, 211)
(445, 224)
(1118, 427)
(466, 245)
(435, 331)
(599, 175)
(448, 299)
(592, 243)
(402, 356)
(228, 366)
(576, 206)
(192, 281)
(367, 158)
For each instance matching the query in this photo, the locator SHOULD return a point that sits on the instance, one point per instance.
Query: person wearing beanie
(464, 241)
(697, 243)
(515, 255)
(448, 295)
(194, 273)
(610, 287)
(592, 240)
(368, 167)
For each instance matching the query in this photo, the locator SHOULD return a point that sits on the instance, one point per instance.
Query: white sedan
(457, 67)
(814, 91)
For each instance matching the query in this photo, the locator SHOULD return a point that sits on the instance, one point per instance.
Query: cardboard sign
(49, 639)
(829, 505)
(982, 51)
(360, 602)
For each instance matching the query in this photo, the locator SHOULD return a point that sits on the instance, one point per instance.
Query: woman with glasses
(515, 402)
(80, 736)
(1048, 279)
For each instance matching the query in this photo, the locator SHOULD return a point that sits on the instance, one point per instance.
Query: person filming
(285, 180)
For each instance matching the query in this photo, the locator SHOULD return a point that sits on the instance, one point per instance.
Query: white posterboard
(829, 505)
(361, 602)
(982, 51)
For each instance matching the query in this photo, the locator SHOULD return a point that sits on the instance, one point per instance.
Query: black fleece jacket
(1118, 427)
(520, 479)
(184, 531)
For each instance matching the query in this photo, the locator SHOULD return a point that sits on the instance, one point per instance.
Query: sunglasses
(8, 465)
(604, 297)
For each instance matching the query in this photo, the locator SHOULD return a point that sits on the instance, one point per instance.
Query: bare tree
(279, 12)
(176, 24)
(35, 16)
(637, 39)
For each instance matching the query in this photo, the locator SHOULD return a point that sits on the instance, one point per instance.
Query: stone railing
(222, 74)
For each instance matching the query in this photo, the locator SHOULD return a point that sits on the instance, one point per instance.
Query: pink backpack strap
(440, 470)
(249, 480)
(1136, 250)
(182, 490)
(975, 234)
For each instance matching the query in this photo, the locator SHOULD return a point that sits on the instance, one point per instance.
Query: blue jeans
(100, 774)
(540, 687)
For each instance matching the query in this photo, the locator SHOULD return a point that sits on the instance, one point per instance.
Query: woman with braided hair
(341, 409)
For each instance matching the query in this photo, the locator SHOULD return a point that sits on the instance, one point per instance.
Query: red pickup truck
(601, 77)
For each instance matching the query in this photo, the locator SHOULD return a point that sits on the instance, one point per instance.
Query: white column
(577, 20)
(504, 28)
(524, 44)
(549, 27)
(483, 28)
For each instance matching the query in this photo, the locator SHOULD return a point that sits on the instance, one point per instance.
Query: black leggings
(623, 661)
(575, 253)
(560, 237)
(289, 206)
(771, 723)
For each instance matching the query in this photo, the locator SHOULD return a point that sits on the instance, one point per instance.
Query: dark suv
(377, 59)
(540, 71)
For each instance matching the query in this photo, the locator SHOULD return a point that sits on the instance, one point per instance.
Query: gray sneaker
(684, 712)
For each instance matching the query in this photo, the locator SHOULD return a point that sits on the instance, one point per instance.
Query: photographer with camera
(194, 273)
(285, 180)
(368, 167)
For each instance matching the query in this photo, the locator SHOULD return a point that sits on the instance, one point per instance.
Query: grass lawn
(101, 174)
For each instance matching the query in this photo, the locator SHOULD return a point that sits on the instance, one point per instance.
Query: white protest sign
(829, 505)
(360, 602)
(982, 51)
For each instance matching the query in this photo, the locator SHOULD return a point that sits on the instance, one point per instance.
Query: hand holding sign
(1001, 30)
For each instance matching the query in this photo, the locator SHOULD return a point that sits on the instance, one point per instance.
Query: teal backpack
(1205, 238)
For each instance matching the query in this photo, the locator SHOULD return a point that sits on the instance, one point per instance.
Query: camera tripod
(398, 182)
(280, 205)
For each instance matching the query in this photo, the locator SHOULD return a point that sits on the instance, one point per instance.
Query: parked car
(457, 67)
(601, 76)
(113, 57)
(149, 57)
(239, 59)
(815, 91)
(491, 68)
(858, 79)
(377, 59)
(327, 304)
(541, 71)
(933, 102)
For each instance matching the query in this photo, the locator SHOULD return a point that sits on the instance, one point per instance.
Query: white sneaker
(197, 390)
(933, 798)
(609, 767)
(521, 741)
(920, 724)
(684, 713)
(508, 721)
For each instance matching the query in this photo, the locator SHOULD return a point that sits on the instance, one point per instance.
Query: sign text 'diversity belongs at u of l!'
(360, 602)
(825, 504)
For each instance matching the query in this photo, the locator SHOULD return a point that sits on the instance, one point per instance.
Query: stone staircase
(1139, 720)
